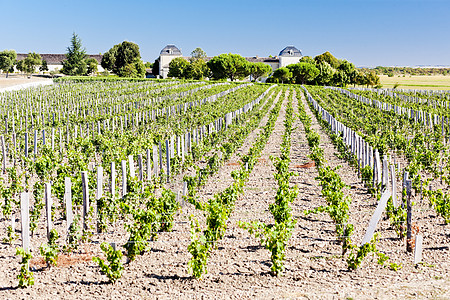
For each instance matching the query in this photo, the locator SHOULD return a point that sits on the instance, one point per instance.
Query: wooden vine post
(85, 186)
(25, 219)
(409, 241)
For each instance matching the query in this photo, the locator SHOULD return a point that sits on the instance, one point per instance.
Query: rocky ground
(239, 267)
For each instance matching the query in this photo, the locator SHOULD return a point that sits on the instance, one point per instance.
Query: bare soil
(20, 81)
(239, 267)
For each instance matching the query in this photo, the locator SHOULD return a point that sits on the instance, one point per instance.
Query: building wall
(288, 60)
(164, 61)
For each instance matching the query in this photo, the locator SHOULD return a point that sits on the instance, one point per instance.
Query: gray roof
(57, 59)
(170, 50)
(291, 51)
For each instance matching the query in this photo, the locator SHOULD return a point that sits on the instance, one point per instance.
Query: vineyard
(190, 189)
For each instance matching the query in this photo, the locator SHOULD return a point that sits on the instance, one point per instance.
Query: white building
(287, 56)
(166, 55)
(54, 61)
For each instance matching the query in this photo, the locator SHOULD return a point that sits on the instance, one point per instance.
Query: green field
(433, 82)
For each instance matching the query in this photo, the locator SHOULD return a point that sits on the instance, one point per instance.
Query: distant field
(434, 82)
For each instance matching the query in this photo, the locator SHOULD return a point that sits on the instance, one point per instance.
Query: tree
(92, 65)
(325, 73)
(259, 69)
(198, 53)
(124, 60)
(75, 63)
(303, 72)
(372, 79)
(329, 58)
(31, 62)
(44, 66)
(155, 67)
(198, 69)
(20, 65)
(109, 58)
(179, 68)
(340, 78)
(232, 66)
(307, 59)
(350, 71)
(7, 61)
(282, 74)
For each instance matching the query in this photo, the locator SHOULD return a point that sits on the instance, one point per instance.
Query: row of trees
(8, 59)
(324, 69)
(225, 66)
(391, 71)
(123, 59)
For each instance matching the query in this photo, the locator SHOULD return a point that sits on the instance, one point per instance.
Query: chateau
(289, 55)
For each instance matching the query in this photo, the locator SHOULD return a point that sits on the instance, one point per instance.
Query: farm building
(289, 55)
(54, 61)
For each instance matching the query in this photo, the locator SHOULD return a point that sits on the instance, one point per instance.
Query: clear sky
(366, 32)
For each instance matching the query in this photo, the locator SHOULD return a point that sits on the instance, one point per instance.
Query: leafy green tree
(124, 60)
(20, 65)
(282, 74)
(92, 65)
(303, 72)
(178, 68)
(44, 66)
(127, 53)
(232, 66)
(198, 69)
(340, 78)
(307, 59)
(325, 75)
(31, 62)
(350, 71)
(198, 53)
(329, 58)
(259, 69)
(109, 58)
(372, 79)
(148, 65)
(7, 60)
(75, 63)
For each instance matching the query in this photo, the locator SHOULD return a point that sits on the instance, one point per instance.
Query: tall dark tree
(75, 63)
(155, 67)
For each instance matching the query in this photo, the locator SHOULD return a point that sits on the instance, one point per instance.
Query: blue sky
(366, 32)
